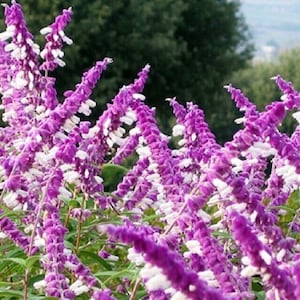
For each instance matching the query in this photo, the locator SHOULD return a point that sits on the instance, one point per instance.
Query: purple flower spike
(241, 101)
(55, 37)
(19, 238)
(178, 110)
(217, 260)
(54, 235)
(260, 257)
(182, 279)
(24, 78)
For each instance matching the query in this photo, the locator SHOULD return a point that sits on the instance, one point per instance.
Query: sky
(273, 20)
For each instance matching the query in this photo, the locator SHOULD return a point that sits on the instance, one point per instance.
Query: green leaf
(30, 261)
(288, 209)
(291, 207)
(260, 295)
(112, 174)
(113, 274)
(96, 258)
(222, 234)
(19, 261)
(9, 293)
(5, 284)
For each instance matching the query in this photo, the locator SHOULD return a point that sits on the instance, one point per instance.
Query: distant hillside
(273, 21)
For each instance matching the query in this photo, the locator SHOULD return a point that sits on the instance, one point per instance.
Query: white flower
(64, 193)
(98, 179)
(186, 162)
(40, 284)
(10, 200)
(129, 117)
(192, 288)
(204, 216)
(249, 271)
(71, 176)
(90, 103)
(265, 256)
(61, 136)
(193, 137)
(113, 258)
(134, 257)
(10, 47)
(69, 125)
(261, 149)
(240, 120)
(8, 33)
(8, 114)
(219, 184)
(43, 53)
(153, 177)
(75, 119)
(296, 116)
(149, 271)
(46, 30)
(39, 242)
(253, 216)
(209, 276)
(239, 207)
(134, 131)
(59, 62)
(178, 130)
(246, 260)
(179, 296)
(78, 287)
(70, 266)
(67, 40)
(81, 154)
(194, 246)
(84, 109)
(116, 138)
(280, 255)
(139, 96)
(159, 281)
(106, 126)
(2, 235)
(28, 228)
(143, 151)
(92, 132)
(19, 82)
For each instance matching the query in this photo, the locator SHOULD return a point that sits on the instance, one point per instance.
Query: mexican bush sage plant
(111, 211)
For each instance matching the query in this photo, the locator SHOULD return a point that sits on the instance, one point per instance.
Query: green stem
(79, 227)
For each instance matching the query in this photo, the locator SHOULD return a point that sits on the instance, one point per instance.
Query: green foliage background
(193, 48)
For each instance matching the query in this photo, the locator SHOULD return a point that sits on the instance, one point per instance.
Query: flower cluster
(203, 220)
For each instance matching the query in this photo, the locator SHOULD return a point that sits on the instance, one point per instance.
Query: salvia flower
(203, 219)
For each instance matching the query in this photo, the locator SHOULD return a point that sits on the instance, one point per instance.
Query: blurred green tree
(192, 46)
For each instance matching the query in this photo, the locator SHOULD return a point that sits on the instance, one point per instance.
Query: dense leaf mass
(192, 46)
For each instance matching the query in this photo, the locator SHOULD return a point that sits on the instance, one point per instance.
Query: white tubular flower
(40, 284)
(134, 257)
(261, 149)
(178, 130)
(139, 96)
(179, 296)
(78, 287)
(157, 282)
(249, 271)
